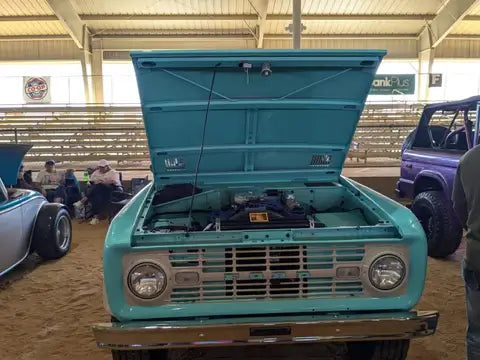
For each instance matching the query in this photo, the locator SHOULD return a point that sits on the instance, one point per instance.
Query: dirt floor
(47, 307)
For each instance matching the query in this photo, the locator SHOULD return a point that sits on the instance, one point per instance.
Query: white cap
(103, 163)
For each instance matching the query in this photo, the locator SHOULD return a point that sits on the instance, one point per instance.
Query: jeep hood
(11, 157)
(294, 125)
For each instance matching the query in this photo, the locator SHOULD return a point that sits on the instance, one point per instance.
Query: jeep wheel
(53, 232)
(139, 354)
(378, 350)
(443, 230)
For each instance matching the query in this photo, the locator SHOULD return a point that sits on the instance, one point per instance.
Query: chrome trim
(164, 335)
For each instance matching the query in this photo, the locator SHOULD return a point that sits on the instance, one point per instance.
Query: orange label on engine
(258, 217)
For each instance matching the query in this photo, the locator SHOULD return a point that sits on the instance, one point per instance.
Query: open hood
(274, 115)
(11, 157)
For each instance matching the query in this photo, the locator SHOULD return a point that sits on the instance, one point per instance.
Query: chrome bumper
(242, 331)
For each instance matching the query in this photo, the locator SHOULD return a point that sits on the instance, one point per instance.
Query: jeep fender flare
(432, 176)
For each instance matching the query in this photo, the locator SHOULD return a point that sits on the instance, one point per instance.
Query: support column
(297, 23)
(97, 76)
(85, 61)
(425, 63)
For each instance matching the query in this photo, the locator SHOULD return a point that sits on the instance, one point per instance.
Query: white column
(97, 76)
(425, 63)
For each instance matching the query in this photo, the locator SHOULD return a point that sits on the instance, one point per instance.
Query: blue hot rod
(28, 222)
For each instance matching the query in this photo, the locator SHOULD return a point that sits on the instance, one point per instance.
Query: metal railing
(88, 133)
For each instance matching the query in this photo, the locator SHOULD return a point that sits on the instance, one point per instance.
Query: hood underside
(11, 157)
(274, 115)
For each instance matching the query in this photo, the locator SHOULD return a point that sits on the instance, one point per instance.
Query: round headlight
(387, 272)
(147, 280)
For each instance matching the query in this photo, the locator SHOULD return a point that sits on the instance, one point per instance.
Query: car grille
(265, 273)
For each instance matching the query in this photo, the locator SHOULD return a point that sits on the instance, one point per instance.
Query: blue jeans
(472, 292)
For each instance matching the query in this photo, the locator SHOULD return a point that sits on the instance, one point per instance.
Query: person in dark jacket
(466, 202)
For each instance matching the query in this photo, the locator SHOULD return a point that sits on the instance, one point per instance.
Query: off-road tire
(378, 350)
(52, 235)
(139, 354)
(441, 225)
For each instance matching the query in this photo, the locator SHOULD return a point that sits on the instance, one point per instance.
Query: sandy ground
(47, 307)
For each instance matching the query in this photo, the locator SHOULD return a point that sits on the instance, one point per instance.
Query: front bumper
(241, 331)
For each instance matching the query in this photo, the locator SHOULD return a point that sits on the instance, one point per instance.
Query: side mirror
(3, 192)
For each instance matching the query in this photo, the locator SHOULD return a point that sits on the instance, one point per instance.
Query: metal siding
(39, 50)
(455, 48)
(401, 49)
(24, 7)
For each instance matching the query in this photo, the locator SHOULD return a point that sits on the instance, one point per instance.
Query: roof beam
(28, 18)
(254, 17)
(261, 8)
(35, 37)
(447, 18)
(67, 15)
(342, 36)
(174, 42)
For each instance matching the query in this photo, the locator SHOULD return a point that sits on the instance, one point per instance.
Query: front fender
(435, 176)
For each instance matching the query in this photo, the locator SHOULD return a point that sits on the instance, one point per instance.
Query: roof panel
(350, 27)
(8, 28)
(104, 26)
(24, 7)
(467, 27)
(163, 7)
(312, 7)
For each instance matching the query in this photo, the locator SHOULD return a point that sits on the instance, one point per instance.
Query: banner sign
(36, 89)
(393, 84)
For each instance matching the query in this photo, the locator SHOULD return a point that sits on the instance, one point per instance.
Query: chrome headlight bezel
(382, 258)
(158, 268)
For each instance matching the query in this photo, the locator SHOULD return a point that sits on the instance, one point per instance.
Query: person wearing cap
(49, 179)
(104, 180)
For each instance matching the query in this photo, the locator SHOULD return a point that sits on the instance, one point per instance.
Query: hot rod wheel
(53, 232)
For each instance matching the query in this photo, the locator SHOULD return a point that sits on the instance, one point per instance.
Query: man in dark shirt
(466, 202)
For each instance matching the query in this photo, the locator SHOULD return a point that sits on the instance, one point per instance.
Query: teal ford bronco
(249, 234)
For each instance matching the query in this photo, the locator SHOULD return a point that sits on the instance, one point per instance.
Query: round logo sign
(36, 88)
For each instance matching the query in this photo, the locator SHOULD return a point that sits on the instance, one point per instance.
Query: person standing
(466, 202)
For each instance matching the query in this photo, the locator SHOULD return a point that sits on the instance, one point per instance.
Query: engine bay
(256, 208)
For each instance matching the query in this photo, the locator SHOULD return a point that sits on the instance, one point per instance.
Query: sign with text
(393, 84)
(36, 89)
(435, 80)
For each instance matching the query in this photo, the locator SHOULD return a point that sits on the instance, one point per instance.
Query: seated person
(103, 181)
(49, 180)
(68, 192)
(21, 183)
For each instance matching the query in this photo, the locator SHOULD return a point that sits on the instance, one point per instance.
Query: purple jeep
(430, 158)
